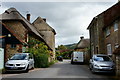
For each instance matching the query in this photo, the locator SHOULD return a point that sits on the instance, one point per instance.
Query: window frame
(107, 31)
(109, 49)
(13, 46)
(115, 25)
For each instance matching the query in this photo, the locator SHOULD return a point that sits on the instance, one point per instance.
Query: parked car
(60, 58)
(101, 63)
(20, 62)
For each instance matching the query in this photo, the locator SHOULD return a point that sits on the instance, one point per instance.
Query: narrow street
(61, 70)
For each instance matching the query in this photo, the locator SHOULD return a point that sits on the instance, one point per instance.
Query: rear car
(60, 58)
(20, 62)
(102, 63)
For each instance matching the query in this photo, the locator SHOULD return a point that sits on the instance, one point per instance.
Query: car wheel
(72, 62)
(90, 66)
(33, 67)
(27, 70)
(93, 70)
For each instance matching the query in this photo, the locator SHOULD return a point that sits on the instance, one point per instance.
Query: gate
(1, 58)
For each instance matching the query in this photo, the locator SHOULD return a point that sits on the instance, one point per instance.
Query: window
(13, 45)
(115, 26)
(107, 31)
(116, 45)
(109, 49)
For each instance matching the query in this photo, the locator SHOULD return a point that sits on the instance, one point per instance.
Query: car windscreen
(19, 57)
(102, 58)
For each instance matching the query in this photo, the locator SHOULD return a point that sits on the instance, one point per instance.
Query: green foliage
(65, 55)
(62, 47)
(40, 52)
(41, 61)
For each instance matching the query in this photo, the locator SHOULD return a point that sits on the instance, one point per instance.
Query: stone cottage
(16, 31)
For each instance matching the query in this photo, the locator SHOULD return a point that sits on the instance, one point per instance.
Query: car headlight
(22, 64)
(113, 66)
(96, 65)
(6, 64)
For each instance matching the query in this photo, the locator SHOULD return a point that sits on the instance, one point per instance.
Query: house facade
(96, 35)
(104, 32)
(48, 33)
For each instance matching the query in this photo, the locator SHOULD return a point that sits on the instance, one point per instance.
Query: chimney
(44, 19)
(28, 17)
(82, 37)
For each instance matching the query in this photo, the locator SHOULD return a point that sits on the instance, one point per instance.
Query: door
(1, 58)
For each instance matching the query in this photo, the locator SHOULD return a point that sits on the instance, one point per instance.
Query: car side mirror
(8, 59)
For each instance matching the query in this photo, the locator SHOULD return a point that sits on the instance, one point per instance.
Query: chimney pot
(28, 17)
(82, 37)
(44, 19)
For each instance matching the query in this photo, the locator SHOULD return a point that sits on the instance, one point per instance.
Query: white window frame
(109, 49)
(116, 45)
(115, 25)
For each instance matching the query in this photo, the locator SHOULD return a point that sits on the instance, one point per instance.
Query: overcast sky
(69, 19)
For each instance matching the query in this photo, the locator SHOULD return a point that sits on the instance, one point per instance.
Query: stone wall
(9, 51)
(118, 65)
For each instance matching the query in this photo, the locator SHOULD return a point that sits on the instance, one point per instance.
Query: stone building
(47, 32)
(16, 31)
(104, 32)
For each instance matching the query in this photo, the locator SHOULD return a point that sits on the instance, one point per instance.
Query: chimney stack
(82, 37)
(44, 19)
(28, 17)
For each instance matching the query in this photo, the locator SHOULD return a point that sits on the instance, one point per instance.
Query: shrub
(41, 61)
(40, 52)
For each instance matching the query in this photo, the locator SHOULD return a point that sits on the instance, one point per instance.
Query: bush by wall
(40, 52)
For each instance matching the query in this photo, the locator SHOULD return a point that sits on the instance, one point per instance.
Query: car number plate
(14, 68)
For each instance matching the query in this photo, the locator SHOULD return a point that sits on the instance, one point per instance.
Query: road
(61, 70)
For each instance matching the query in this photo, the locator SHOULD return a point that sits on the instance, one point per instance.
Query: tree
(62, 47)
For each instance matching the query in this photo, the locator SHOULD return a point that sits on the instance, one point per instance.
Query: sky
(69, 19)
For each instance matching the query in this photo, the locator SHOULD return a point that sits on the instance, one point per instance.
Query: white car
(20, 62)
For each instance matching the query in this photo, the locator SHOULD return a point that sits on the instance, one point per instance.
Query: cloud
(69, 19)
